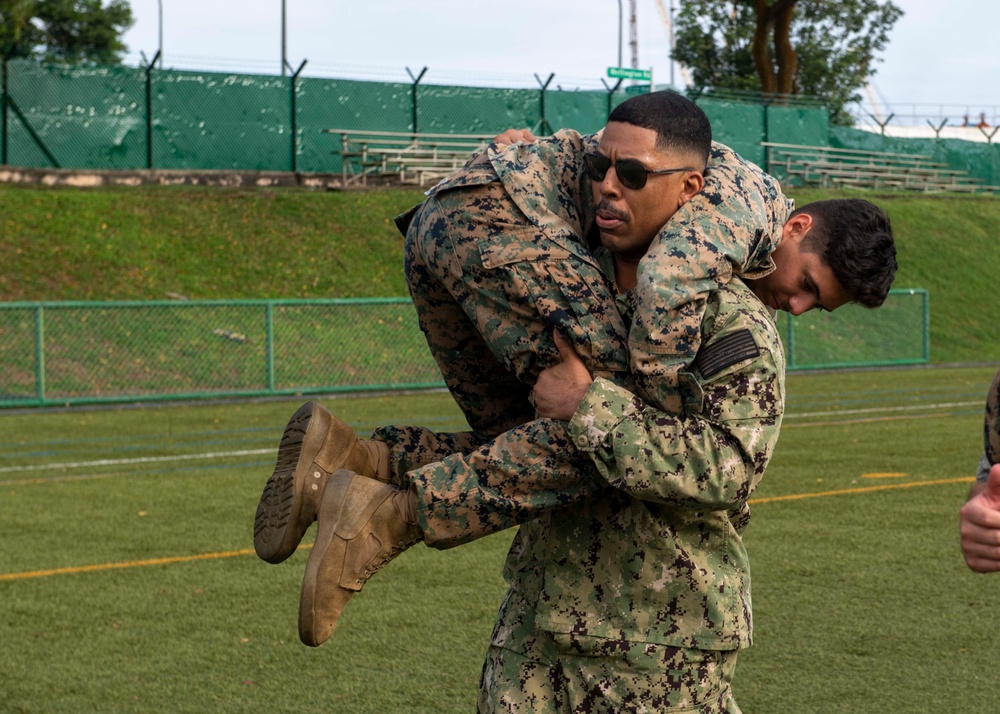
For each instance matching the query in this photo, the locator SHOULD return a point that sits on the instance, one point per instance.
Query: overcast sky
(939, 52)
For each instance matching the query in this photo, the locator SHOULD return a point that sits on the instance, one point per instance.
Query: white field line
(260, 452)
(876, 410)
(139, 460)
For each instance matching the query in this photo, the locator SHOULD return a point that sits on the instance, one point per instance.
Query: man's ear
(692, 184)
(797, 227)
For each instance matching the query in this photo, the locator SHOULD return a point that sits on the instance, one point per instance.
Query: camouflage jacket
(728, 229)
(658, 556)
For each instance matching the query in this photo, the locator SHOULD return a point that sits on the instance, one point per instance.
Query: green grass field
(209, 243)
(129, 584)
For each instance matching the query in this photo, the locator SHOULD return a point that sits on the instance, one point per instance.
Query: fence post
(989, 137)
(611, 91)
(416, 81)
(927, 327)
(3, 118)
(269, 343)
(937, 129)
(543, 122)
(790, 357)
(149, 110)
(767, 133)
(295, 126)
(40, 354)
(882, 125)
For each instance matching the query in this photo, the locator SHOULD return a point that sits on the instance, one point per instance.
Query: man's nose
(800, 303)
(610, 185)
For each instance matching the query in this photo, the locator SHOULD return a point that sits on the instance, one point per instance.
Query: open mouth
(607, 217)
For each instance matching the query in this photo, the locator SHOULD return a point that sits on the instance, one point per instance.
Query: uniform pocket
(565, 292)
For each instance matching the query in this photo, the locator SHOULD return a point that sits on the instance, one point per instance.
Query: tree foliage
(70, 31)
(811, 47)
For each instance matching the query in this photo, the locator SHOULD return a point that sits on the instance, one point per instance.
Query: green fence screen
(134, 118)
(79, 352)
(980, 160)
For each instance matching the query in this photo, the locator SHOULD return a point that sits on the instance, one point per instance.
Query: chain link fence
(896, 333)
(78, 353)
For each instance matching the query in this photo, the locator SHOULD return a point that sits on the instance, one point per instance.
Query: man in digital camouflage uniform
(708, 454)
(979, 517)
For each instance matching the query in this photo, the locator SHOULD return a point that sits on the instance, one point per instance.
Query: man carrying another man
(633, 494)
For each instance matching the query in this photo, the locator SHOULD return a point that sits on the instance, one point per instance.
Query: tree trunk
(774, 20)
(788, 61)
(761, 48)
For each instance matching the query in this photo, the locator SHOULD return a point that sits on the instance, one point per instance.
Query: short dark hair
(854, 238)
(678, 122)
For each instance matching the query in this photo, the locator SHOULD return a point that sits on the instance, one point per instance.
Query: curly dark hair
(854, 237)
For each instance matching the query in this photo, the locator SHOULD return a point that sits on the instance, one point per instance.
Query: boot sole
(277, 529)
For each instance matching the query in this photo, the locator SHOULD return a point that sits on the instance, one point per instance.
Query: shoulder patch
(729, 350)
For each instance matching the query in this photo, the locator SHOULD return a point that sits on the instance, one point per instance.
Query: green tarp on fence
(128, 118)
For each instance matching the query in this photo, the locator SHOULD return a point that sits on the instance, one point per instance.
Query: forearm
(684, 461)
(729, 229)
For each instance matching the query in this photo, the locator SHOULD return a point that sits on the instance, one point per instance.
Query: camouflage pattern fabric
(489, 287)
(529, 671)
(524, 472)
(647, 546)
(991, 426)
(479, 247)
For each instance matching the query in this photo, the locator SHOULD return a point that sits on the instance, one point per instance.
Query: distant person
(979, 518)
(982, 121)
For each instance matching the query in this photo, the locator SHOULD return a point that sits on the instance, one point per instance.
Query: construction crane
(667, 17)
(633, 34)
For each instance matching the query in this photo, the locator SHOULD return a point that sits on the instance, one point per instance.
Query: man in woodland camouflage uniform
(643, 566)
(979, 517)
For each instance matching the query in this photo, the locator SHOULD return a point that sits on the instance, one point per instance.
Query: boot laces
(393, 551)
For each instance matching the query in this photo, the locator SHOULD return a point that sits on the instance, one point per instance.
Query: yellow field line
(129, 564)
(249, 551)
(865, 489)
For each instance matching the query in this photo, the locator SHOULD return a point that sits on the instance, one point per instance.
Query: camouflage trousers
(991, 427)
(489, 288)
(465, 492)
(529, 671)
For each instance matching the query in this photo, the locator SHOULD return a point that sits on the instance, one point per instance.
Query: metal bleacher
(405, 157)
(828, 167)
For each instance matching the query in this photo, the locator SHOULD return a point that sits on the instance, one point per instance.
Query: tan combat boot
(314, 445)
(363, 524)
(992, 426)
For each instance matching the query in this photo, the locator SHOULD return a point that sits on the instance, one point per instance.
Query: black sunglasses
(630, 172)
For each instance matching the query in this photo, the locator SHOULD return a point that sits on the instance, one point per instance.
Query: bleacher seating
(828, 167)
(409, 158)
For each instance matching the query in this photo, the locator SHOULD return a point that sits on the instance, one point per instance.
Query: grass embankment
(203, 243)
(209, 243)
